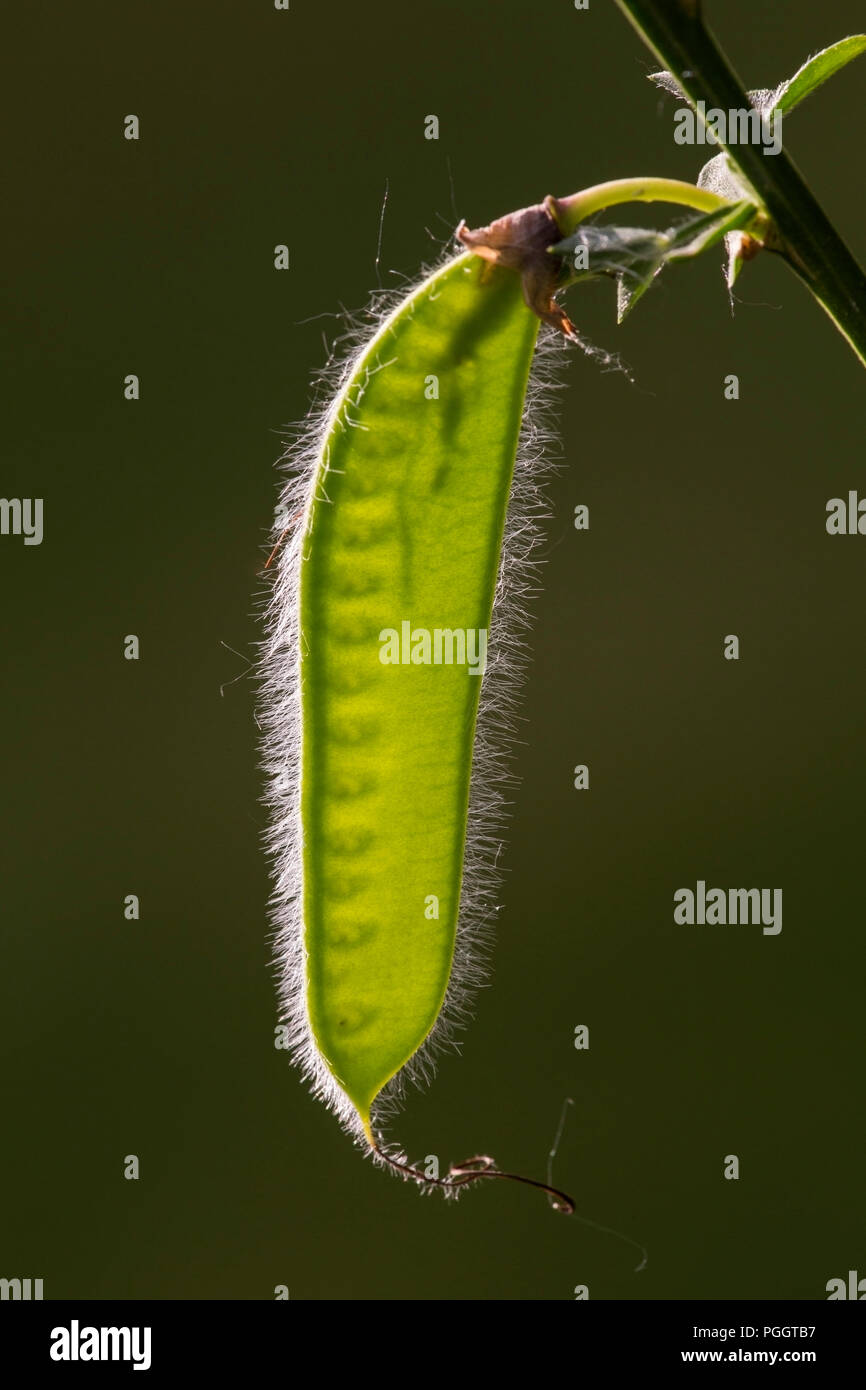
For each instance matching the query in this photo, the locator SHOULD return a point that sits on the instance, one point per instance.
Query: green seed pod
(395, 647)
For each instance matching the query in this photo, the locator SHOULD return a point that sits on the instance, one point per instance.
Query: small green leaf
(635, 255)
(814, 72)
(696, 234)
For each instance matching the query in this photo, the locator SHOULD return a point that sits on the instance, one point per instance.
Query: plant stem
(570, 212)
(676, 33)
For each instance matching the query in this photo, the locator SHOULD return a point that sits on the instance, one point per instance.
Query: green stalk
(570, 212)
(676, 33)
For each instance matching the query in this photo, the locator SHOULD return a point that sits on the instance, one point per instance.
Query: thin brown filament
(472, 1170)
(297, 516)
(276, 547)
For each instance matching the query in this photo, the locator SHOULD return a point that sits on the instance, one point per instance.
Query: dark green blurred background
(707, 518)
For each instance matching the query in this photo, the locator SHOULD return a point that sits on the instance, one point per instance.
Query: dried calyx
(521, 241)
